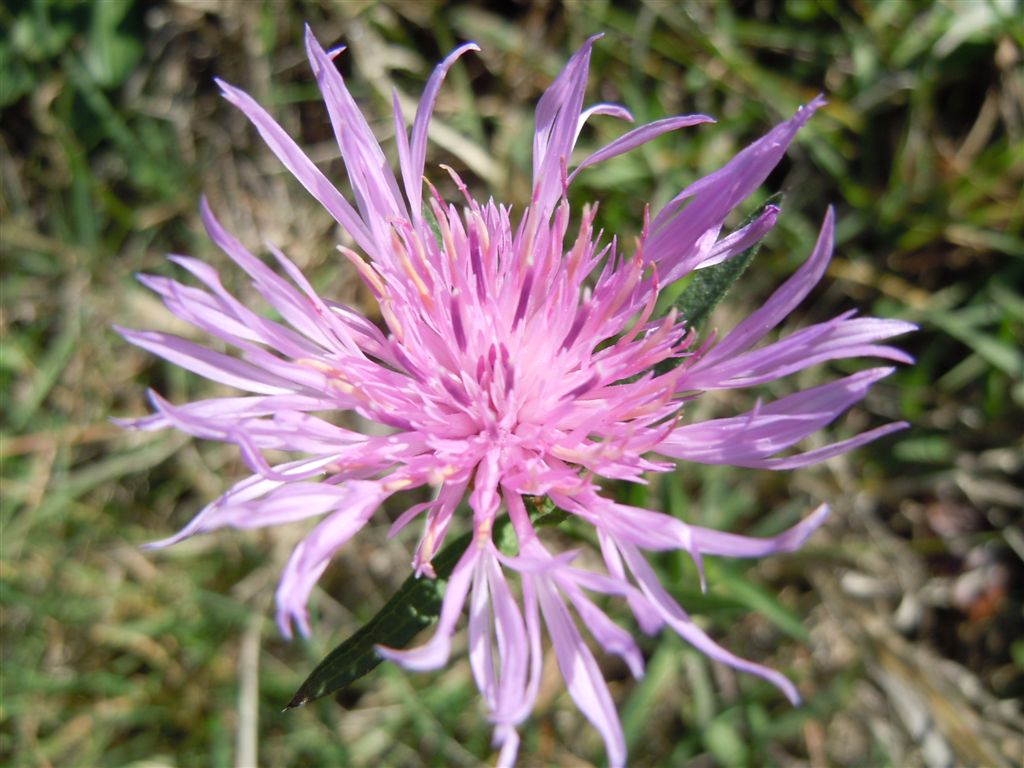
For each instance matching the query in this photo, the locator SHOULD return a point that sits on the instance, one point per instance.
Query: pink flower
(515, 359)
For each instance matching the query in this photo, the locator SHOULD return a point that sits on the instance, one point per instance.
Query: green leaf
(412, 608)
(18, 77)
(926, 449)
(709, 286)
(111, 55)
(724, 741)
(660, 678)
(735, 583)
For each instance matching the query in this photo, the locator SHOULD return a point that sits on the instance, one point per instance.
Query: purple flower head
(516, 358)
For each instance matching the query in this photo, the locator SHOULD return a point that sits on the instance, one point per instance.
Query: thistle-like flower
(513, 360)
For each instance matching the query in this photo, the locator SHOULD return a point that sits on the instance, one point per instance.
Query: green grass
(112, 128)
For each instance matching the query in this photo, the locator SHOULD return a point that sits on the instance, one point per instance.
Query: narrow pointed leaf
(709, 286)
(415, 606)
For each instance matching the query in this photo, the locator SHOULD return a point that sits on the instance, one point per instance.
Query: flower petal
(677, 229)
(749, 440)
(412, 172)
(840, 338)
(314, 552)
(434, 653)
(296, 161)
(783, 301)
(678, 619)
(638, 137)
(582, 676)
(556, 119)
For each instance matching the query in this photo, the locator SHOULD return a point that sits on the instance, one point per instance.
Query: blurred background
(901, 621)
